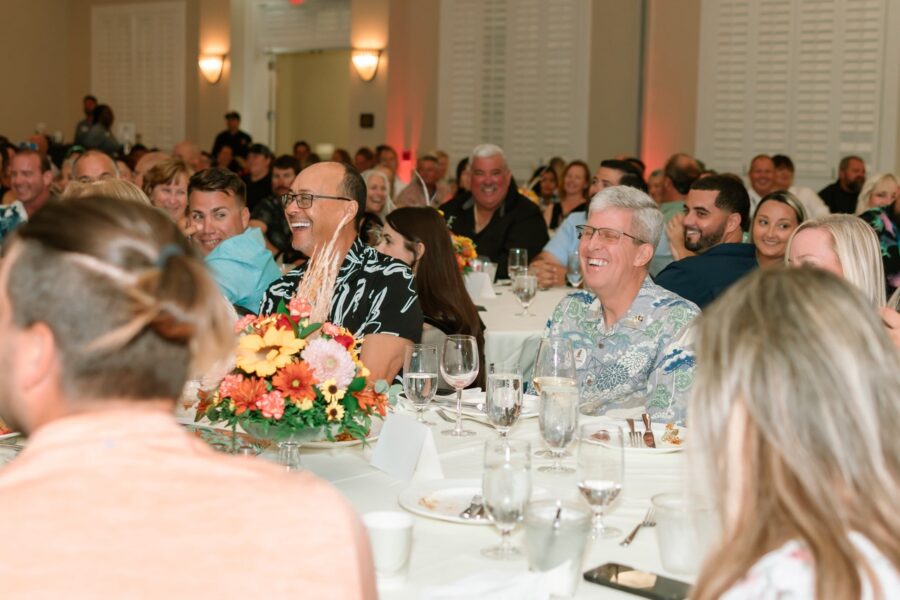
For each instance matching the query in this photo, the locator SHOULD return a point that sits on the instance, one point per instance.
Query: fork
(634, 438)
(649, 521)
(475, 508)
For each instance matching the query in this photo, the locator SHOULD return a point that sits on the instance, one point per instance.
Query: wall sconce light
(211, 65)
(366, 62)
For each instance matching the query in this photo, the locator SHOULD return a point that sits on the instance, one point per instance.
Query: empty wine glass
(506, 489)
(420, 375)
(459, 368)
(558, 420)
(573, 272)
(517, 263)
(503, 399)
(555, 365)
(524, 288)
(601, 470)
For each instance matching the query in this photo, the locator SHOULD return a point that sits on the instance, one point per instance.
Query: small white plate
(374, 432)
(659, 429)
(7, 436)
(444, 499)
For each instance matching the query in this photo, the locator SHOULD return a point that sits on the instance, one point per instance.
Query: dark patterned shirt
(886, 224)
(374, 293)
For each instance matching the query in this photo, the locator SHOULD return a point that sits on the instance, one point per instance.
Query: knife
(649, 440)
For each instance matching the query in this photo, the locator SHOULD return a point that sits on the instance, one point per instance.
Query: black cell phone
(639, 583)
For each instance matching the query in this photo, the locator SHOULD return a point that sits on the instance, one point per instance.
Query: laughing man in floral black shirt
(374, 295)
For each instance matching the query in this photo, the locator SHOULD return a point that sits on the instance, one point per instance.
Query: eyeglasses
(606, 235)
(305, 199)
(28, 146)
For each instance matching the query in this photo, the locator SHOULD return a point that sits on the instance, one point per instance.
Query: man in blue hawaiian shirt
(627, 332)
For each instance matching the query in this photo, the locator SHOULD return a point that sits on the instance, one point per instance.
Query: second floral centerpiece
(295, 380)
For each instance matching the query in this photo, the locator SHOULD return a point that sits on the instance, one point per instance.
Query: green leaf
(309, 329)
(357, 385)
(281, 309)
(381, 386)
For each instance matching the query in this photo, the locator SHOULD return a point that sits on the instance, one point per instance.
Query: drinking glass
(558, 420)
(556, 536)
(506, 489)
(573, 272)
(555, 363)
(517, 263)
(503, 399)
(601, 470)
(420, 377)
(459, 367)
(524, 289)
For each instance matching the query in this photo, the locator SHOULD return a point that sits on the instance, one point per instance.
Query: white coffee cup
(390, 535)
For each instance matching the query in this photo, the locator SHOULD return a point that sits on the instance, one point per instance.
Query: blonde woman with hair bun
(794, 423)
(846, 246)
(879, 190)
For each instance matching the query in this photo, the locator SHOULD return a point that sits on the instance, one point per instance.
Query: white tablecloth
(513, 339)
(446, 552)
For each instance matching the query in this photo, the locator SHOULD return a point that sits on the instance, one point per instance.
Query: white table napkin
(493, 585)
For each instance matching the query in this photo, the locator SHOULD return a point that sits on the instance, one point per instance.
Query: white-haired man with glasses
(627, 332)
(374, 295)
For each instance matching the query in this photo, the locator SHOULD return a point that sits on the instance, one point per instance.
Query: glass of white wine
(601, 471)
(420, 377)
(524, 288)
(555, 365)
(573, 269)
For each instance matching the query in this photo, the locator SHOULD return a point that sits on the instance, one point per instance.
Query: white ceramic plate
(659, 429)
(374, 432)
(7, 436)
(444, 499)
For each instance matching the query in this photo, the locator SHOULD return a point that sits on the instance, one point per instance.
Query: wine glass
(524, 288)
(506, 489)
(558, 420)
(420, 377)
(503, 399)
(573, 269)
(517, 263)
(601, 470)
(555, 365)
(459, 368)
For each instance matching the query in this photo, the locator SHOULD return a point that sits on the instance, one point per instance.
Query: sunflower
(334, 411)
(266, 354)
(331, 391)
(295, 381)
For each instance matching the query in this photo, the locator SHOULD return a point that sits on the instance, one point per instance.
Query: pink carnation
(330, 329)
(230, 385)
(244, 322)
(329, 360)
(299, 307)
(271, 405)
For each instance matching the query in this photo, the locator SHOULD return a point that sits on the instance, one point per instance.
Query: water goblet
(524, 288)
(601, 471)
(558, 420)
(517, 263)
(420, 377)
(506, 489)
(459, 368)
(503, 399)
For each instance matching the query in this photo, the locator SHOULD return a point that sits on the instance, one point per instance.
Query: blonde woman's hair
(805, 361)
(388, 202)
(131, 305)
(868, 188)
(858, 249)
(110, 188)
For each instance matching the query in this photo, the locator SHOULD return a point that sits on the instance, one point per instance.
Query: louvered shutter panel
(138, 67)
(313, 25)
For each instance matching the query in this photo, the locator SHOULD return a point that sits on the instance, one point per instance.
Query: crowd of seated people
(677, 270)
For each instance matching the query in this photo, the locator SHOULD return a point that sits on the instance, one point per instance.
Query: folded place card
(406, 450)
(479, 286)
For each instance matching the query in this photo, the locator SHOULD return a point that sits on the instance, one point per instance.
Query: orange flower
(295, 382)
(369, 399)
(247, 395)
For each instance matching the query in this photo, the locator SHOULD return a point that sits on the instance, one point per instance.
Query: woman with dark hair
(418, 236)
(573, 193)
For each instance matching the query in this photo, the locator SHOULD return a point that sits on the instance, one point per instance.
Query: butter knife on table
(649, 440)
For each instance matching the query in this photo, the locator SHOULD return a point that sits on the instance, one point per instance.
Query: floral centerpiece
(464, 248)
(296, 380)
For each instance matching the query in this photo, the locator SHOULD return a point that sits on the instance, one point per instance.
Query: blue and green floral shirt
(640, 364)
(11, 216)
(885, 225)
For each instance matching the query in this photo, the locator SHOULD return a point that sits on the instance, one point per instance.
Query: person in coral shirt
(105, 310)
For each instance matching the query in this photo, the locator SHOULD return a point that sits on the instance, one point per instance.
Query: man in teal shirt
(235, 253)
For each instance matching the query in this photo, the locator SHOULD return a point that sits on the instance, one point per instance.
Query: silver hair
(647, 219)
(388, 202)
(487, 151)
